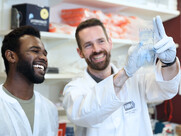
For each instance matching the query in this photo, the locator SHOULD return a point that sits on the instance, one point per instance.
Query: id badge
(129, 108)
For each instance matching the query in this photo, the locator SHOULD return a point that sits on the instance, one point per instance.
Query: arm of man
(164, 84)
(89, 104)
(170, 72)
(118, 80)
(131, 66)
(165, 50)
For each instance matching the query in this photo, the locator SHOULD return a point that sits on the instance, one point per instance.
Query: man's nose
(96, 48)
(43, 57)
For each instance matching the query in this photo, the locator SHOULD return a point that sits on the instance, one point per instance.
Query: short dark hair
(11, 41)
(88, 23)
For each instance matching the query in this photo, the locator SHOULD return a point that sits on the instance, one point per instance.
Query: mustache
(97, 53)
(40, 61)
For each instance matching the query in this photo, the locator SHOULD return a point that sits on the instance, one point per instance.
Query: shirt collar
(96, 78)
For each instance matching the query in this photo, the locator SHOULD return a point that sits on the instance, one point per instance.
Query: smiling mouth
(39, 67)
(97, 57)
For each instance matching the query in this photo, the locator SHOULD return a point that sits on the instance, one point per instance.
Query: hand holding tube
(165, 47)
(133, 62)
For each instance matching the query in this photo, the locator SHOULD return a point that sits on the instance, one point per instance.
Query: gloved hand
(134, 60)
(165, 47)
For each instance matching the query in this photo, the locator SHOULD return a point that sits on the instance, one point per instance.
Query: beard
(27, 70)
(100, 65)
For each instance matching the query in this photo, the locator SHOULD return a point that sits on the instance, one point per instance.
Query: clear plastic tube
(146, 39)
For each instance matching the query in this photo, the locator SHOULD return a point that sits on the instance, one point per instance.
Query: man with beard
(111, 102)
(25, 112)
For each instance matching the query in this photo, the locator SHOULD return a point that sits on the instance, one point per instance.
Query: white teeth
(39, 66)
(99, 56)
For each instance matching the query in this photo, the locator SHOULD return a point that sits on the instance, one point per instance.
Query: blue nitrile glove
(133, 62)
(165, 47)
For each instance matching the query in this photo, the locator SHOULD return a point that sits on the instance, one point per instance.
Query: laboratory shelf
(60, 108)
(60, 76)
(64, 119)
(58, 36)
(2, 33)
(46, 35)
(49, 77)
(146, 11)
(50, 36)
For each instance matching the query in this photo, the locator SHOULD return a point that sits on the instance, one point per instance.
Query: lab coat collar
(115, 70)
(14, 103)
(5, 96)
(91, 80)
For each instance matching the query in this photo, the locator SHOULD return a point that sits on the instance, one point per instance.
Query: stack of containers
(118, 26)
(73, 17)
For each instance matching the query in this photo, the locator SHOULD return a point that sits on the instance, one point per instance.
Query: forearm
(89, 115)
(119, 80)
(164, 83)
(90, 106)
(170, 72)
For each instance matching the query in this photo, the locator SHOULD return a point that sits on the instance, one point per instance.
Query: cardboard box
(29, 14)
(178, 130)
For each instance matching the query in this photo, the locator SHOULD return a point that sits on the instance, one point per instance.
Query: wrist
(168, 64)
(127, 72)
(120, 78)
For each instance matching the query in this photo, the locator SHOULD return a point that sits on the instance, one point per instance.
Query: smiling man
(107, 101)
(25, 112)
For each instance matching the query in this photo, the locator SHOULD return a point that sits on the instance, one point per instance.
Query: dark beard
(27, 70)
(99, 66)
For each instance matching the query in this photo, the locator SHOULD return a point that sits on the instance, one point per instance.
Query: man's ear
(80, 53)
(11, 56)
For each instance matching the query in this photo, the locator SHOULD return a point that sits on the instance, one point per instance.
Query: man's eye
(45, 54)
(101, 41)
(88, 45)
(36, 51)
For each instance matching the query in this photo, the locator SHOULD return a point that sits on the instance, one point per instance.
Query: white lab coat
(14, 122)
(97, 111)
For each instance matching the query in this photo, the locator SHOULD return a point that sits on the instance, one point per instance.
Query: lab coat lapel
(15, 106)
(39, 108)
(91, 81)
(36, 115)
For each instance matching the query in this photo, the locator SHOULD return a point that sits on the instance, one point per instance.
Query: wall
(173, 28)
